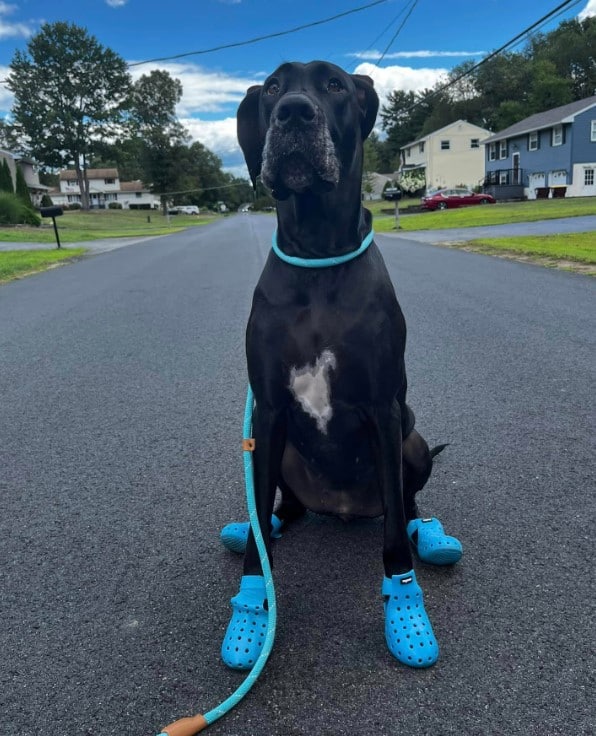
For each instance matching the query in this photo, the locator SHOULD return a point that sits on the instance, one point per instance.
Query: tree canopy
(69, 93)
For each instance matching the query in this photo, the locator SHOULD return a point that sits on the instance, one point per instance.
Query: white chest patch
(311, 387)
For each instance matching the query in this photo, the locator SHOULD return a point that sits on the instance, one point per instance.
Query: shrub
(46, 201)
(22, 190)
(14, 212)
(73, 206)
(114, 206)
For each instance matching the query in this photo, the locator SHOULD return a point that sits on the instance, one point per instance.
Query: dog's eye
(334, 85)
(272, 88)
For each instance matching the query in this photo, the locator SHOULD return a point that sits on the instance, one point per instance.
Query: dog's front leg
(246, 631)
(386, 443)
(269, 432)
(408, 631)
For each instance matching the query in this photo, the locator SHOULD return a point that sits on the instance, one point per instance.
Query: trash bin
(542, 192)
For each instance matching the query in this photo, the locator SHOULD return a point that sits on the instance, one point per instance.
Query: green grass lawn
(480, 215)
(15, 263)
(580, 247)
(76, 226)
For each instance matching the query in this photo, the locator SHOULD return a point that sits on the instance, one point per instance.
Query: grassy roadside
(497, 214)
(570, 251)
(17, 263)
(76, 226)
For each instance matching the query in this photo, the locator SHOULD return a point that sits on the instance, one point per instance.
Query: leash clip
(248, 445)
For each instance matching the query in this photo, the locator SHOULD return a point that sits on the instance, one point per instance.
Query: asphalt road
(122, 386)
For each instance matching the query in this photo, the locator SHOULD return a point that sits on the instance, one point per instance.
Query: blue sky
(436, 36)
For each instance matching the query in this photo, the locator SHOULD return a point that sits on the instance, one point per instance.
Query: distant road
(122, 385)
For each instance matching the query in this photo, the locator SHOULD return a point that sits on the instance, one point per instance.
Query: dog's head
(305, 125)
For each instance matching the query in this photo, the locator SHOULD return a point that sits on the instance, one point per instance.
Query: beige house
(30, 173)
(452, 156)
(104, 187)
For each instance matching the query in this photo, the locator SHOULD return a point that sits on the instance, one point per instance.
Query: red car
(449, 198)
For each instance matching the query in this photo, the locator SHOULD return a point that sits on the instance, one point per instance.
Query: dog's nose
(295, 109)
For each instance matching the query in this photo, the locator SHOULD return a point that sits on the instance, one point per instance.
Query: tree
(155, 128)
(22, 190)
(70, 92)
(6, 184)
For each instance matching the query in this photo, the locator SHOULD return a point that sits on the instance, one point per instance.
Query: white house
(449, 157)
(104, 187)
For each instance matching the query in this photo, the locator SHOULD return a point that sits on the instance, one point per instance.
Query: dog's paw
(431, 543)
(245, 635)
(408, 631)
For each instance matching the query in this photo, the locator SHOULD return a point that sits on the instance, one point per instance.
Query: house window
(421, 146)
(588, 177)
(492, 151)
(557, 136)
(593, 131)
(504, 177)
(445, 145)
(533, 141)
(108, 181)
(475, 143)
(408, 153)
(138, 195)
(502, 149)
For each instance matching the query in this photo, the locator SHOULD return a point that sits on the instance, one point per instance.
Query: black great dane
(325, 348)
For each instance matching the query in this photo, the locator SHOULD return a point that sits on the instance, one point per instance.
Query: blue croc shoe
(234, 536)
(432, 544)
(408, 631)
(246, 631)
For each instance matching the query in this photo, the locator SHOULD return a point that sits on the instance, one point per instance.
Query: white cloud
(389, 78)
(204, 91)
(422, 54)
(589, 11)
(12, 30)
(116, 3)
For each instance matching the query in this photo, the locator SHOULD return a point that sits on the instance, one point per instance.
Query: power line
(396, 34)
(262, 38)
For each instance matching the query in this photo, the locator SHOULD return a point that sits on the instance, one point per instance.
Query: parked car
(184, 209)
(445, 199)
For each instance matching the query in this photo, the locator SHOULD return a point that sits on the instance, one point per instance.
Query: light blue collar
(321, 262)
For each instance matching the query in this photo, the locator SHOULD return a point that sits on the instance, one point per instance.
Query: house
(552, 153)
(30, 173)
(373, 184)
(449, 157)
(104, 187)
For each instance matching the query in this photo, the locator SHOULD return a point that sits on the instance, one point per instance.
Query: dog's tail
(438, 448)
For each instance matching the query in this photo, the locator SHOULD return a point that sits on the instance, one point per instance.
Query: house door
(515, 177)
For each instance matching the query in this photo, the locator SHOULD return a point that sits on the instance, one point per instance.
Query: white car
(184, 209)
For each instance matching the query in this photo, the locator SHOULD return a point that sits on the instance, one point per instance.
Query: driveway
(96, 246)
(582, 224)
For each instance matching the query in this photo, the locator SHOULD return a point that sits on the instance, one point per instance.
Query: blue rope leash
(194, 724)
(190, 726)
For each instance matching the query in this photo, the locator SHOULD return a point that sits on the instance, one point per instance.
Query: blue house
(552, 153)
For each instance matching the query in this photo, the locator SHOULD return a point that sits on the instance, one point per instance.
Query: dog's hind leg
(289, 508)
(417, 467)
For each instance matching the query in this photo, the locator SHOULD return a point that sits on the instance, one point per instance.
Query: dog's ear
(251, 143)
(368, 101)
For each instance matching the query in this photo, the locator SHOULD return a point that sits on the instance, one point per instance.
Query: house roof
(562, 114)
(440, 130)
(91, 174)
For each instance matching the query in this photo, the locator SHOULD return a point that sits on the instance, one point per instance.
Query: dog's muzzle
(299, 153)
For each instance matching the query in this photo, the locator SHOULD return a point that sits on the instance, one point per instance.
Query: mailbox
(51, 211)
